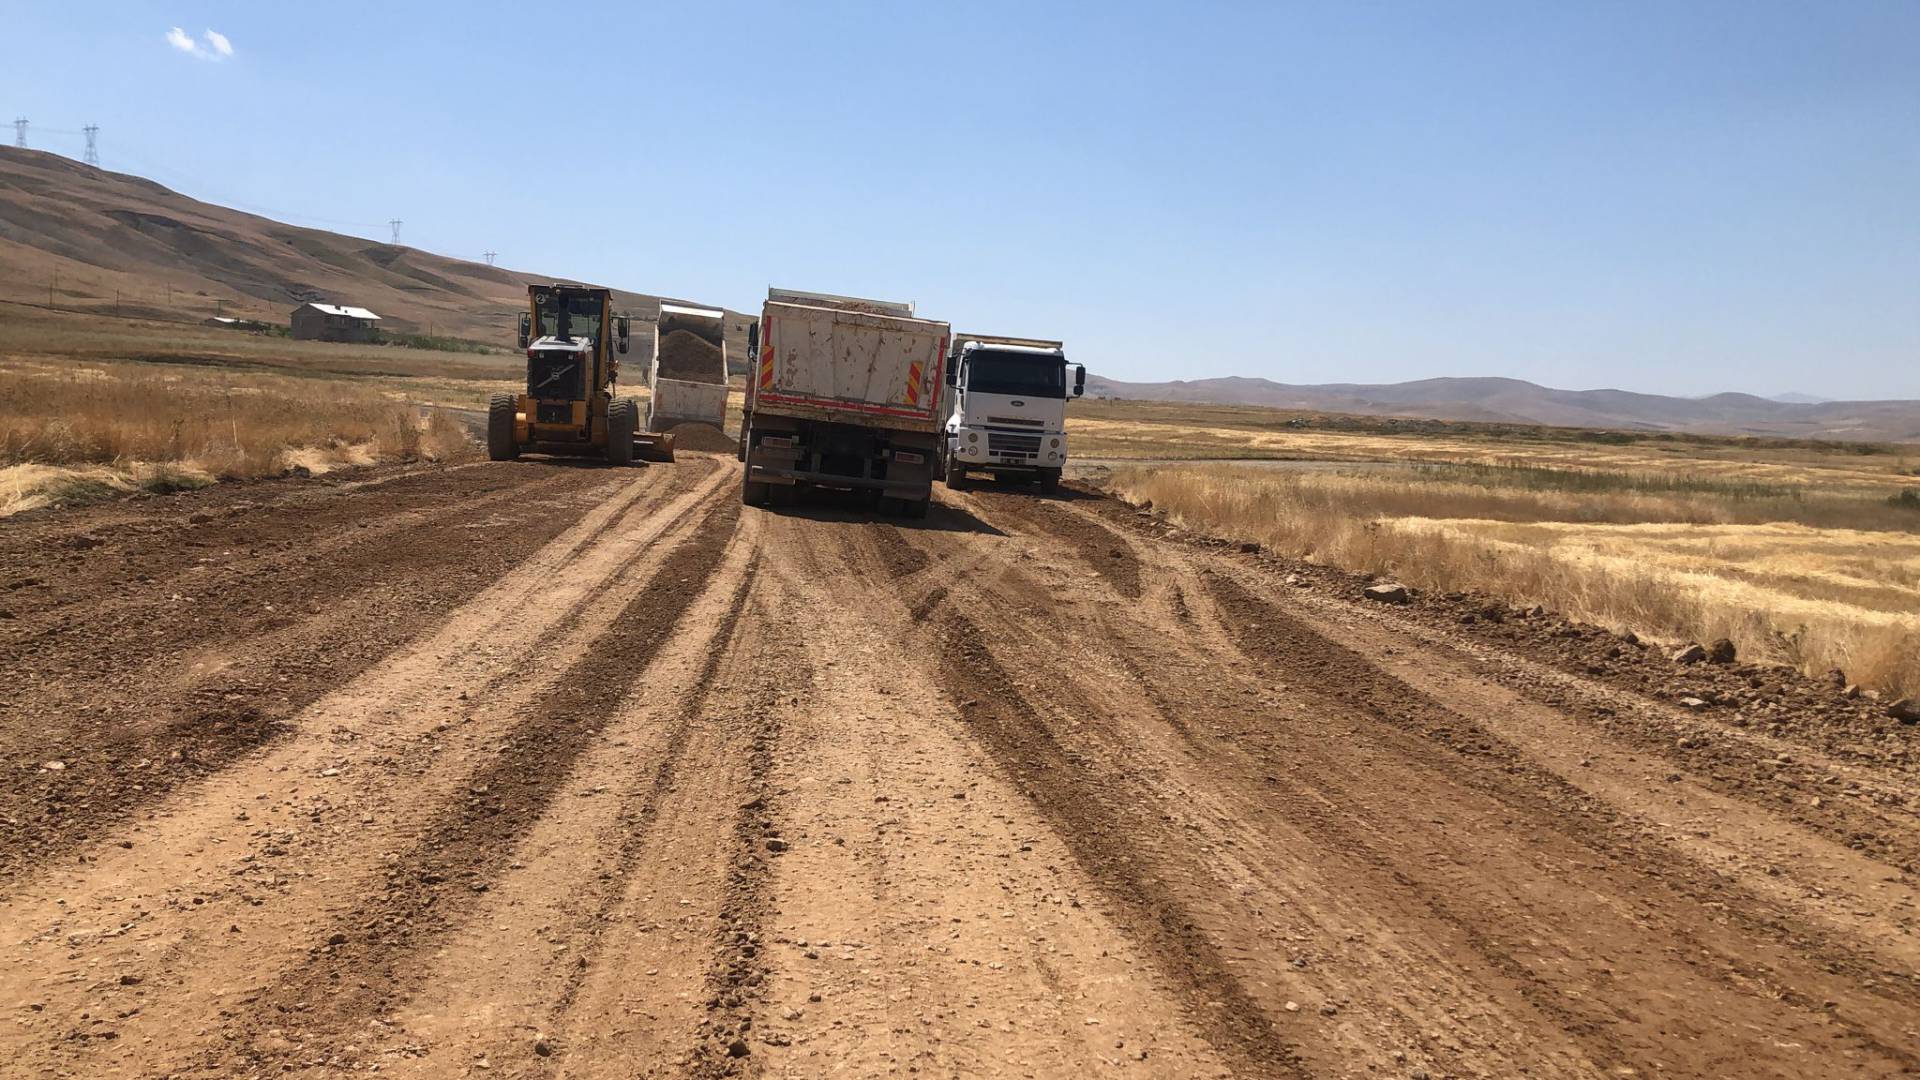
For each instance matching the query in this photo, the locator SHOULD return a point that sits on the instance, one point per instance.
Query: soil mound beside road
(697, 436)
(687, 356)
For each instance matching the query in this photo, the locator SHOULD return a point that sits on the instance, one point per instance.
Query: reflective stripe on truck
(766, 352)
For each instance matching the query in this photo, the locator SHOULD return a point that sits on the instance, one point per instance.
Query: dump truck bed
(851, 367)
(688, 372)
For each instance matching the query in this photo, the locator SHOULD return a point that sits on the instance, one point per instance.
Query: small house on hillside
(331, 322)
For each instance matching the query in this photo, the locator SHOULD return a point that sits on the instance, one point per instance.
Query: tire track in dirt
(929, 918)
(146, 721)
(1487, 763)
(1783, 751)
(366, 964)
(1598, 739)
(1105, 551)
(736, 980)
(388, 750)
(639, 820)
(1410, 864)
(1101, 830)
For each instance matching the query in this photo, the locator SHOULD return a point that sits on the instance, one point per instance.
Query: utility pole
(396, 230)
(489, 256)
(51, 282)
(219, 307)
(93, 152)
(20, 133)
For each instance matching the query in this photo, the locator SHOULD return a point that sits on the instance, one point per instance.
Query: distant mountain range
(1515, 401)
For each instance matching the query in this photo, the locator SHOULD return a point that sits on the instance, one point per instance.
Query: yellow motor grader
(571, 334)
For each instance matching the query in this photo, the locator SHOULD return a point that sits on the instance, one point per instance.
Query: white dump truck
(843, 393)
(1007, 413)
(689, 368)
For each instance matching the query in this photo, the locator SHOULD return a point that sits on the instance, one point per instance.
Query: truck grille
(1025, 446)
(1016, 421)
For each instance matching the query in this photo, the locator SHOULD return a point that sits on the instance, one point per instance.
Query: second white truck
(1007, 409)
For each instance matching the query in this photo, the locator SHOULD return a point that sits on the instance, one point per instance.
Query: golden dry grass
(1811, 578)
(76, 429)
(29, 333)
(1122, 430)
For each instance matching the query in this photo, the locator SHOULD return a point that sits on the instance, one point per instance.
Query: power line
(20, 133)
(396, 230)
(93, 152)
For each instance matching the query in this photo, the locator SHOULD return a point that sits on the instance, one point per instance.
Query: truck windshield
(583, 315)
(1019, 374)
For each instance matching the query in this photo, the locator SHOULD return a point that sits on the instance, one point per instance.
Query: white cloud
(215, 47)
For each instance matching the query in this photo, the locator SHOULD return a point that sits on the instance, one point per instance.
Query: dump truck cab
(1008, 409)
(571, 336)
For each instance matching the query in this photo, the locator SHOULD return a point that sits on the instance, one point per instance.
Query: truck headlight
(1055, 443)
(973, 436)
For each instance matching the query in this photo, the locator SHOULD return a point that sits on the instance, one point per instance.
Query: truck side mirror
(953, 373)
(1079, 379)
(753, 341)
(526, 329)
(622, 327)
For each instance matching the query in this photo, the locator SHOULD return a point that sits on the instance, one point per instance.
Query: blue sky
(1673, 197)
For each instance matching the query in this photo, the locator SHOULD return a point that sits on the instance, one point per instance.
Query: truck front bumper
(978, 455)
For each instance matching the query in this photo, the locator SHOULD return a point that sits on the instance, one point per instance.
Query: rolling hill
(86, 239)
(1515, 401)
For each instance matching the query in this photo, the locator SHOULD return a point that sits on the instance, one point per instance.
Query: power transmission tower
(396, 229)
(20, 133)
(488, 255)
(93, 152)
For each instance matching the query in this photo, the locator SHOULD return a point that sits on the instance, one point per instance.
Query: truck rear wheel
(623, 421)
(500, 444)
(753, 492)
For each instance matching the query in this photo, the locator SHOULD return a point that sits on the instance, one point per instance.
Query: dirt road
(534, 770)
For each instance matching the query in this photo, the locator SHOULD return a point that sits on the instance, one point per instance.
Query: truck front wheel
(1049, 481)
(956, 472)
(500, 444)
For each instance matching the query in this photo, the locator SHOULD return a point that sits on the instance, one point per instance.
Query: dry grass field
(1807, 573)
(1123, 430)
(74, 430)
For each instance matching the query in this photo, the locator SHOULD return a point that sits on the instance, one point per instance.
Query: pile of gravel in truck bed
(687, 356)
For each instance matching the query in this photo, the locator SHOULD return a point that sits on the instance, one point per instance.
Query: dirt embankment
(303, 778)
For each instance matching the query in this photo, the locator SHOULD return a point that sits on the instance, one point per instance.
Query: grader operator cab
(571, 334)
